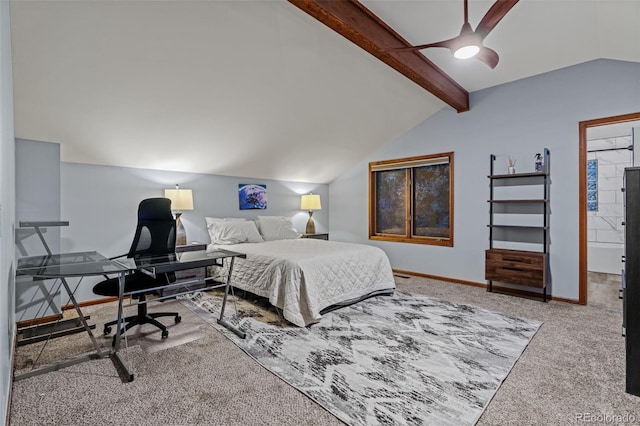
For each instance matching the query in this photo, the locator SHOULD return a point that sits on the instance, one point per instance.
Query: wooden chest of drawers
(516, 267)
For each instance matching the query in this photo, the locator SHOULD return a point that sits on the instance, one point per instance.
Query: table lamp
(310, 202)
(181, 199)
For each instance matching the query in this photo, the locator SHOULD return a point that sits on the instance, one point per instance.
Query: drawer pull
(511, 269)
(511, 259)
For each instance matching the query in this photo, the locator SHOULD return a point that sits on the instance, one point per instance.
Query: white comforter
(304, 276)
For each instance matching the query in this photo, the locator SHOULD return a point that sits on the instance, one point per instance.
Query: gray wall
(101, 202)
(37, 199)
(516, 119)
(7, 213)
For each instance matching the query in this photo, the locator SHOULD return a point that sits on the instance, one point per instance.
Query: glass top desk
(91, 263)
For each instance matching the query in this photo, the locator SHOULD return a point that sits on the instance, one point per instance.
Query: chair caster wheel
(106, 331)
(165, 334)
(178, 319)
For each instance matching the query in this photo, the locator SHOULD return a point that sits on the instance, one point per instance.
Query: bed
(305, 277)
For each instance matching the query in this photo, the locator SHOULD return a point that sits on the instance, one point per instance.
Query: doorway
(605, 149)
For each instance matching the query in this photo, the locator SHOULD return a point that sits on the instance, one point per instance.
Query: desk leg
(72, 298)
(121, 365)
(76, 360)
(221, 320)
(82, 318)
(121, 281)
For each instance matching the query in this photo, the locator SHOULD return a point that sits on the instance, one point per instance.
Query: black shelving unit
(521, 267)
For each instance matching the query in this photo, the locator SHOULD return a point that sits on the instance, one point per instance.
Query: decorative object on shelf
(181, 199)
(509, 263)
(512, 166)
(538, 158)
(310, 202)
(252, 196)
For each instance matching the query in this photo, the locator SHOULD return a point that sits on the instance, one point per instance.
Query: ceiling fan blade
(495, 13)
(443, 43)
(488, 56)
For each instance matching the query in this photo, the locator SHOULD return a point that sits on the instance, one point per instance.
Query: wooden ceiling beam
(355, 22)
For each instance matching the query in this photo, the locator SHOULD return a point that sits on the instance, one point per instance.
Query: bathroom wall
(605, 232)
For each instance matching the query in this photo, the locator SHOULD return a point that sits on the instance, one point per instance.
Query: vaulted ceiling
(260, 88)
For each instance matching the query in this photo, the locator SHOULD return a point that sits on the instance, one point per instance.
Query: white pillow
(234, 232)
(211, 220)
(277, 228)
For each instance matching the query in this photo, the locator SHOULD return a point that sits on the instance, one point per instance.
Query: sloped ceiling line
(358, 24)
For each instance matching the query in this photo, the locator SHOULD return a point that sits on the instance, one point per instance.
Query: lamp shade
(181, 199)
(310, 202)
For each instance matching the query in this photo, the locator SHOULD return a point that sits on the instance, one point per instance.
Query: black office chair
(155, 236)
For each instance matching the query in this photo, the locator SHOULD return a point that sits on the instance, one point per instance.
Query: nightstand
(188, 274)
(316, 236)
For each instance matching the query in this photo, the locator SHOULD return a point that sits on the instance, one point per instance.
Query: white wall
(37, 186)
(605, 232)
(7, 213)
(515, 119)
(101, 202)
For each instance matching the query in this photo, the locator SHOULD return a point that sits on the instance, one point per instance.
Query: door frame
(582, 191)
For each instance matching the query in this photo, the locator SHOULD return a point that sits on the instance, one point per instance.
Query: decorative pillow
(234, 232)
(277, 228)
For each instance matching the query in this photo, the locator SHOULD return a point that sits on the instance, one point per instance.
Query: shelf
(518, 201)
(518, 227)
(519, 267)
(519, 175)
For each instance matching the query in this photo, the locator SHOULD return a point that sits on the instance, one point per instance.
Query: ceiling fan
(468, 43)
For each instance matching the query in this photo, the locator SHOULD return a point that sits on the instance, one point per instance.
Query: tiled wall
(605, 224)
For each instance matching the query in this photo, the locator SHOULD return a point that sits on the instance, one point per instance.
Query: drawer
(191, 247)
(186, 275)
(190, 274)
(516, 267)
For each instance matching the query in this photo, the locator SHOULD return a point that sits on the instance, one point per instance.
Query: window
(592, 185)
(411, 200)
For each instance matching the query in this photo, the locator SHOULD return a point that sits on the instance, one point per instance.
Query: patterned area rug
(398, 359)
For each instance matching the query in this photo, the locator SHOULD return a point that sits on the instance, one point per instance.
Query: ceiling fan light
(466, 52)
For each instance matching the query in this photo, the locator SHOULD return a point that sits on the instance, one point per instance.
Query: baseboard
(37, 321)
(496, 288)
(92, 302)
(56, 317)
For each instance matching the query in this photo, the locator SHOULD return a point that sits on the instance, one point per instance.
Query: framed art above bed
(252, 196)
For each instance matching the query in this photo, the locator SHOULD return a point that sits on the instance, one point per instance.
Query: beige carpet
(573, 366)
